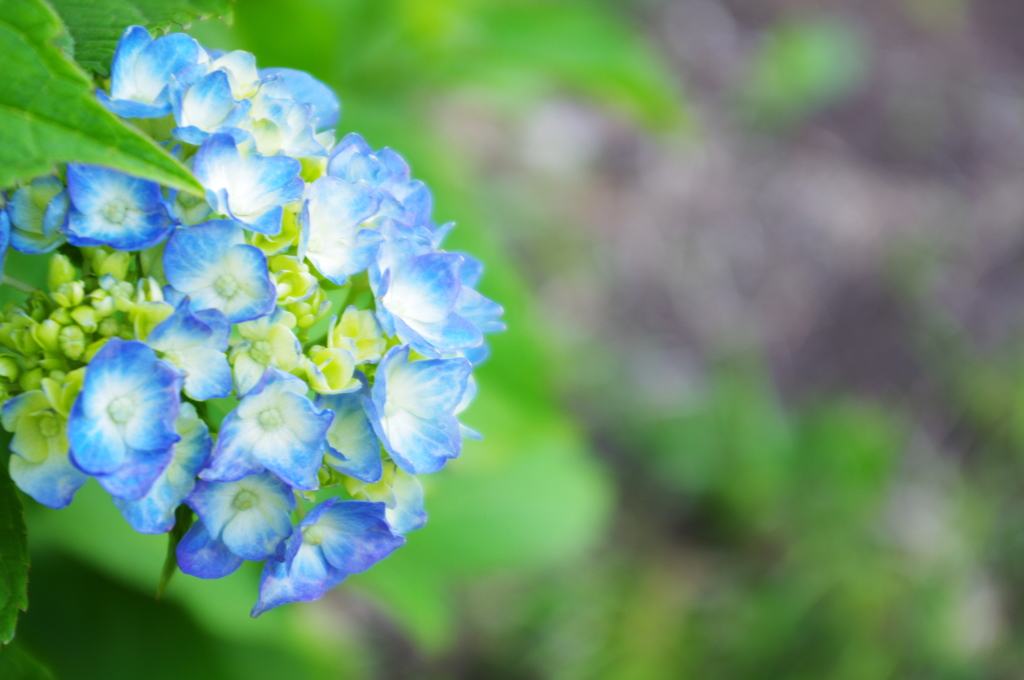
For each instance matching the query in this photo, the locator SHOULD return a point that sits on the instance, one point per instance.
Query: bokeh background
(760, 410)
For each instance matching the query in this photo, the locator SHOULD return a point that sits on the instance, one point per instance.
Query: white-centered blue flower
(252, 189)
(213, 265)
(142, 70)
(267, 342)
(121, 426)
(38, 211)
(282, 126)
(418, 302)
(412, 409)
(39, 464)
(154, 512)
(332, 238)
(197, 349)
(400, 492)
(275, 427)
(247, 519)
(299, 86)
(352, 446)
(110, 208)
(205, 107)
(403, 199)
(335, 539)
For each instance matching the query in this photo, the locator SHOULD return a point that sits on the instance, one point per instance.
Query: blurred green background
(759, 410)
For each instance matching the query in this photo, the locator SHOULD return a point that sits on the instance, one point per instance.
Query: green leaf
(16, 663)
(49, 114)
(13, 554)
(96, 25)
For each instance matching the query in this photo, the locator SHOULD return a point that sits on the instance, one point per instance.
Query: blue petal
(450, 334)
(429, 388)
(202, 556)
(480, 311)
(205, 106)
(52, 483)
(304, 577)
(425, 288)
(286, 83)
(355, 535)
(136, 475)
(220, 326)
(154, 513)
(420, 445)
(181, 330)
(354, 449)
(408, 513)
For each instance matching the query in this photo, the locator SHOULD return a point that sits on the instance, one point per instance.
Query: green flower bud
(31, 380)
(116, 264)
(69, 294)
(53, 361)
(61, 316)
(45, 335)
(329, 370)
(61, 271)
(38, 305)
(294, 281)
(9, 368)
(108, 327)
(72, 342)
(85, 317)
(359, 333)
(103, 302)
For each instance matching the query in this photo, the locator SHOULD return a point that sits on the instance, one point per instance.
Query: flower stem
(18, 284)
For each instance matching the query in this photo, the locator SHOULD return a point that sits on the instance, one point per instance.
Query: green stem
(182, 521)
(18, 284)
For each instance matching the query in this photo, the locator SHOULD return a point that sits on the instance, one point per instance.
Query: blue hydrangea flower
(121, 426)
(282, 126)
(205, 107)
(247, 519)
(39, 464)
(275, 427)
(142, 70)
(400, 492)
(38, 211)
(154, 512)
(335, 539)
(352, 447)
(195, 348)
(418, 302)
(240, 67)
(332, 238)
(252, 189)
(110, 208)
(213, 265)
(412, 409)
(300, 87)
(404, 199)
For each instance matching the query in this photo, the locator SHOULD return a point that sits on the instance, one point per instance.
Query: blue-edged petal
(479, 310)
(286, 83)
(204, 107)
(331, 236)
(193, 347)
(420, 445)
(133, 479)
(142, 69)
(453, 333)
(37, 213)
(353, 447)
(425, 289)
(406, 513)
(154, 512)
(203, 556)
(334, 540)
(429, 388)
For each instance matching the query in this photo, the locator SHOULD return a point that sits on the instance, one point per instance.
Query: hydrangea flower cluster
(307, 297)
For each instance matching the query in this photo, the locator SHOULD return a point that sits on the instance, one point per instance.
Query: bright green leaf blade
(96, 25)
(49, 114)
(13, 554)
